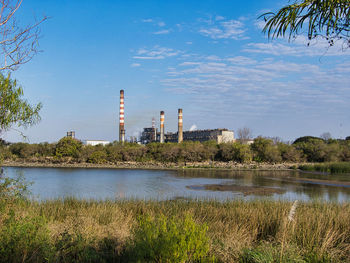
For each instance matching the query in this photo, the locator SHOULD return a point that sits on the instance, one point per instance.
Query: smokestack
(180, 130)
(161, 127)
(121, 118)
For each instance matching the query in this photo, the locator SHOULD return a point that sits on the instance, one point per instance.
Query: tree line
(304, 149)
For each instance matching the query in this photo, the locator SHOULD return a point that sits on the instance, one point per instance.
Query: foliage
(266, 253)
(265, 150)
(235, 152)
(68, 147)
(307, 139)
(14, 109)
(343, 167)
(170, 240)
(24, 239)
(312, 149)
(13, 188)
(326, 18)
(98, 157)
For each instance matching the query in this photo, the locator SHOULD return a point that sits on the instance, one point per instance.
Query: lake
(101, 184)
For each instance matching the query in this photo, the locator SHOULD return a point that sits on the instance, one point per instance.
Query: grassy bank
(333, 168)
(124, 231)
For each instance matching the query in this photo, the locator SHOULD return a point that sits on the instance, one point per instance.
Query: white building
(95, 142)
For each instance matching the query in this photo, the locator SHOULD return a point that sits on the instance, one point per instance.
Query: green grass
(233, 231)
(333, 168)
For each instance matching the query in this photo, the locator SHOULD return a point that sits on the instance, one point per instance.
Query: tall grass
(333, 168)
(102, 231)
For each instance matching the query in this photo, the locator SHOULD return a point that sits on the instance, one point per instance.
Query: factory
(152, 134)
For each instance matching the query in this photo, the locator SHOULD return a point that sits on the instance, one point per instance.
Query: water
(101, 184)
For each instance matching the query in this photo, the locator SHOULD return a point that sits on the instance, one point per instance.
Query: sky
(209, 58)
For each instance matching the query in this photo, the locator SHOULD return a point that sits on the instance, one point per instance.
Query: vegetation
(14, 109)
(304, 149)
(70, 230)
(327, 167)
(173, 231)
(329, 19)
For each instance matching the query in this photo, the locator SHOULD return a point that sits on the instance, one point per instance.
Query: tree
(244, 134)
(329, 19)
(13, 108)
(18, 44)
(68, 147)
(326, 136)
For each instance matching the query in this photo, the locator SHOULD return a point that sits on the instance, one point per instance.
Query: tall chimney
(180, 130)
(161, 127)
(121, 118)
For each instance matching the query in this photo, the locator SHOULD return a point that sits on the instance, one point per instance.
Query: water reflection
(51, 183)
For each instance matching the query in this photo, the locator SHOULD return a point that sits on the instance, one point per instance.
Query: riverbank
(233, 231)
(158, 165)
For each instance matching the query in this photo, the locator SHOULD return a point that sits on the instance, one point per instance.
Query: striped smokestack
(180, 129)
(121, 118)
(161, 127)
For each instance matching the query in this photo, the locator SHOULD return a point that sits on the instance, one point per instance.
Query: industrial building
(218, 135)
(95, 142)
(152, 135)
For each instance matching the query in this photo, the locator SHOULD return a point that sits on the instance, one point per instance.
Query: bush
(68, 147)
(169, 240)
(25, 239)
(97, 157)
(265, 151)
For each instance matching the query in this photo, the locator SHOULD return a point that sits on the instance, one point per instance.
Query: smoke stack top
(161, 127)
(180, 127)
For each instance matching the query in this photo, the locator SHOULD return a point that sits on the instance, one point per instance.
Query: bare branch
(18, 44)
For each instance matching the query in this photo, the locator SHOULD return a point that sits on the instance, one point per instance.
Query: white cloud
(231, 29)
(246, 86)
(241, 60)
(161, 24)
(299, 47)
(219, 18)
(156, 52)
(162, 32)
(135, 65)
(149, 20)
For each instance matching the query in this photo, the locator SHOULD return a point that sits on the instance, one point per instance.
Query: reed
(333, 168)
(100, 231)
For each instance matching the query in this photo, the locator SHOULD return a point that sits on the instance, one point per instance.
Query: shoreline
(160, 166)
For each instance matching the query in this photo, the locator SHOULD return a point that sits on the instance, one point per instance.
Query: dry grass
(317, 229)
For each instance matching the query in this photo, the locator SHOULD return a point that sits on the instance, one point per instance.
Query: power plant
(151, 134)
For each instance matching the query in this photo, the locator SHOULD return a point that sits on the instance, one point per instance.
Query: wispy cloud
(162, 32)
(221, 29)
(135, 65)
(149, 20)
(299, 47)
(245, 86)
(156, 52)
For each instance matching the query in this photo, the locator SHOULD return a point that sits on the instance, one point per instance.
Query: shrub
(68, 147)
(265, 151)
(98, 157)
(169, 240)
(25, 239)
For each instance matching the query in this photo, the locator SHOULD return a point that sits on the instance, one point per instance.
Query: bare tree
(244, 134)
(326, 136)
(18, 44)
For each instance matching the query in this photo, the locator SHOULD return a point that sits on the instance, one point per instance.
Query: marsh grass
(101, 231)
(333, 168)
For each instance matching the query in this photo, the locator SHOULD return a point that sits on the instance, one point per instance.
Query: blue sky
(207, 57)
